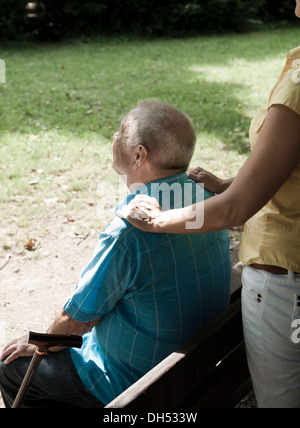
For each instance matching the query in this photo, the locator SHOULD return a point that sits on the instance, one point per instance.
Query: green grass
(62, 103)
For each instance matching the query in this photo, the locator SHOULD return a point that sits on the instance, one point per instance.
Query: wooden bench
(210, 371)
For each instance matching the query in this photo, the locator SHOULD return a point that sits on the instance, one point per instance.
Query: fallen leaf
(68, 219)
(30, 245)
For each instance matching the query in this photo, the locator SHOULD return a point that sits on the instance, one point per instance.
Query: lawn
(62, 103)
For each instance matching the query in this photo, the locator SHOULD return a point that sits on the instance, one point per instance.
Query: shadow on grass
(216, 109)
(84, 88)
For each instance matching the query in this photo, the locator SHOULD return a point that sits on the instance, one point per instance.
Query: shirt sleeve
(287, 91)
(103, 281)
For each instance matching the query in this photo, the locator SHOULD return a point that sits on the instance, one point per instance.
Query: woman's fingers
(141, 212)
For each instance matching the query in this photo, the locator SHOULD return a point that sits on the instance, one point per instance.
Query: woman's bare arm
(274, 158)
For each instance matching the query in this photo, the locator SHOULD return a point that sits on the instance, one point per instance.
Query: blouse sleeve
(287, 91)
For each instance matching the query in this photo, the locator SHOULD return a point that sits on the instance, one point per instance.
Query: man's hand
(17, 348)
(63, 324)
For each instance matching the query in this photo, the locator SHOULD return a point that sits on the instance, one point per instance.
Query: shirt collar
(149, 188)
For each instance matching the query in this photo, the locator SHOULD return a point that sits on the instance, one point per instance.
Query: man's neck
(134, 183)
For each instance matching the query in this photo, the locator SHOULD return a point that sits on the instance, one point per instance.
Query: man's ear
(140, 156)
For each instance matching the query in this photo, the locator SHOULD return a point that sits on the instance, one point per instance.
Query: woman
(265, 198)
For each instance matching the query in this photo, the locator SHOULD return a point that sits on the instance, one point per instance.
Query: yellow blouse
(272, 236)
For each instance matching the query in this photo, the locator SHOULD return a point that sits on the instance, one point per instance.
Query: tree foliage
(56, 19)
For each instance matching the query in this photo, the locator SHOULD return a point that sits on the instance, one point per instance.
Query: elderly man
(142, 295)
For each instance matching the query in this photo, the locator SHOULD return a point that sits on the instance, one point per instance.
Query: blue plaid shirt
(154, 292)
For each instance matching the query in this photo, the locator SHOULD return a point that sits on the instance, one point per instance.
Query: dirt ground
(33, 288)
(35, 284)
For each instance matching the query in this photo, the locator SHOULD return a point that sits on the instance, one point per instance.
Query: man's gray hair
(165, 131)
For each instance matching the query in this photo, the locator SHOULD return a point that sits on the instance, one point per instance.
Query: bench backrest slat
(171, 380)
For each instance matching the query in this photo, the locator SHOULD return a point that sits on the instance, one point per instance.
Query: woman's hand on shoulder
(142, 212)
(211, 182)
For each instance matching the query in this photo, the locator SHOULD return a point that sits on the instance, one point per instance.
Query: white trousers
(271, 320)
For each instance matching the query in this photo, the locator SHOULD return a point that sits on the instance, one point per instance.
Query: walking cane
(43, 342)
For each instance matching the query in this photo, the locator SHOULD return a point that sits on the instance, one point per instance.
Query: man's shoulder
(122, 233)
(119, 227)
